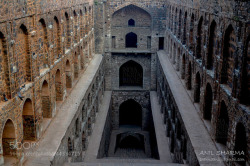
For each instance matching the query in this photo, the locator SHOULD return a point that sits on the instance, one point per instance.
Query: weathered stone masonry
(44, 46)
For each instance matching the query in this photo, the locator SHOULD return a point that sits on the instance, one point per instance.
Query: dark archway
(222, 124)
(58, 86)
(208, 102)
(131, 142)
(199, 38)
(211, 43)
(131, 23)
(191, 34)
(131, 74)
(46, 105)
(240, 144)
(28, 121)
(130, 113)
(229, 46)
(8, 137)
(68, 39)
(56, 36)
(5, 67)
(245, 81)
(197, 87)
(189, 76)
(183, 71)
(131, 40)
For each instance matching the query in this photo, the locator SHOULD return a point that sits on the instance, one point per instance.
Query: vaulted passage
(130, 113)
(241, 144)
(131, 146)
(131, 74)
(222, 125)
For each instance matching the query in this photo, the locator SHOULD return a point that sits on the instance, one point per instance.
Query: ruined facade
(66, 64)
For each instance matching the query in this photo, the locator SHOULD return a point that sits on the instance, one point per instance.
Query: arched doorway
(183, 71)
(212, 40)
(131, 23)
(131, 74)
(189, 76)
(5, 68)
(130, 113)
(8, 138)
(197, 87)
(222, 125)
(68, 75)
(131, 40)
(199, 38)
(229, 47)
(28, 121)
(240, 144)
(76, 66)
(208, 101)
(130, 145)
(58, 86)
(245, 83)
(46, 104)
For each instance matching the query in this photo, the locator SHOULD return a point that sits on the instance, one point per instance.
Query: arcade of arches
(145, 81)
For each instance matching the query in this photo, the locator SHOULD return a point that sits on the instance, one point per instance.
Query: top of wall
(10, 10)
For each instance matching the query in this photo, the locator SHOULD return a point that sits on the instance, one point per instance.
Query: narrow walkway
(95, 138)
(162, 141)
(51, 139)
(200, 139)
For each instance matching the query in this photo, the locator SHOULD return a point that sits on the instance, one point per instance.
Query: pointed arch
(229, 46)
(185, 29)
(43, 44)
(131, 22)
(244, 95)
(76, 65)
(28, 120)
(199, 37)
(183, 71)
(46, 104)
(211, 44)
(191, 33)
(5, 75)
(208, 102)
(75, 26)
(222, 124)
(68, 38)
(8, 137)
(189, 76)
(57, 40)
(131, 40)
(131, 74)
(197, 87)
(130, 113)
(58, 86)
(241, 144)
(23, 52)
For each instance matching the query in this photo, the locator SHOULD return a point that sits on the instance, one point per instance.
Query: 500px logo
(23, 145)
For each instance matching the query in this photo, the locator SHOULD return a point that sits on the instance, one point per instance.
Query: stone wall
(80, 129)
(210, 52)
(36, 40)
